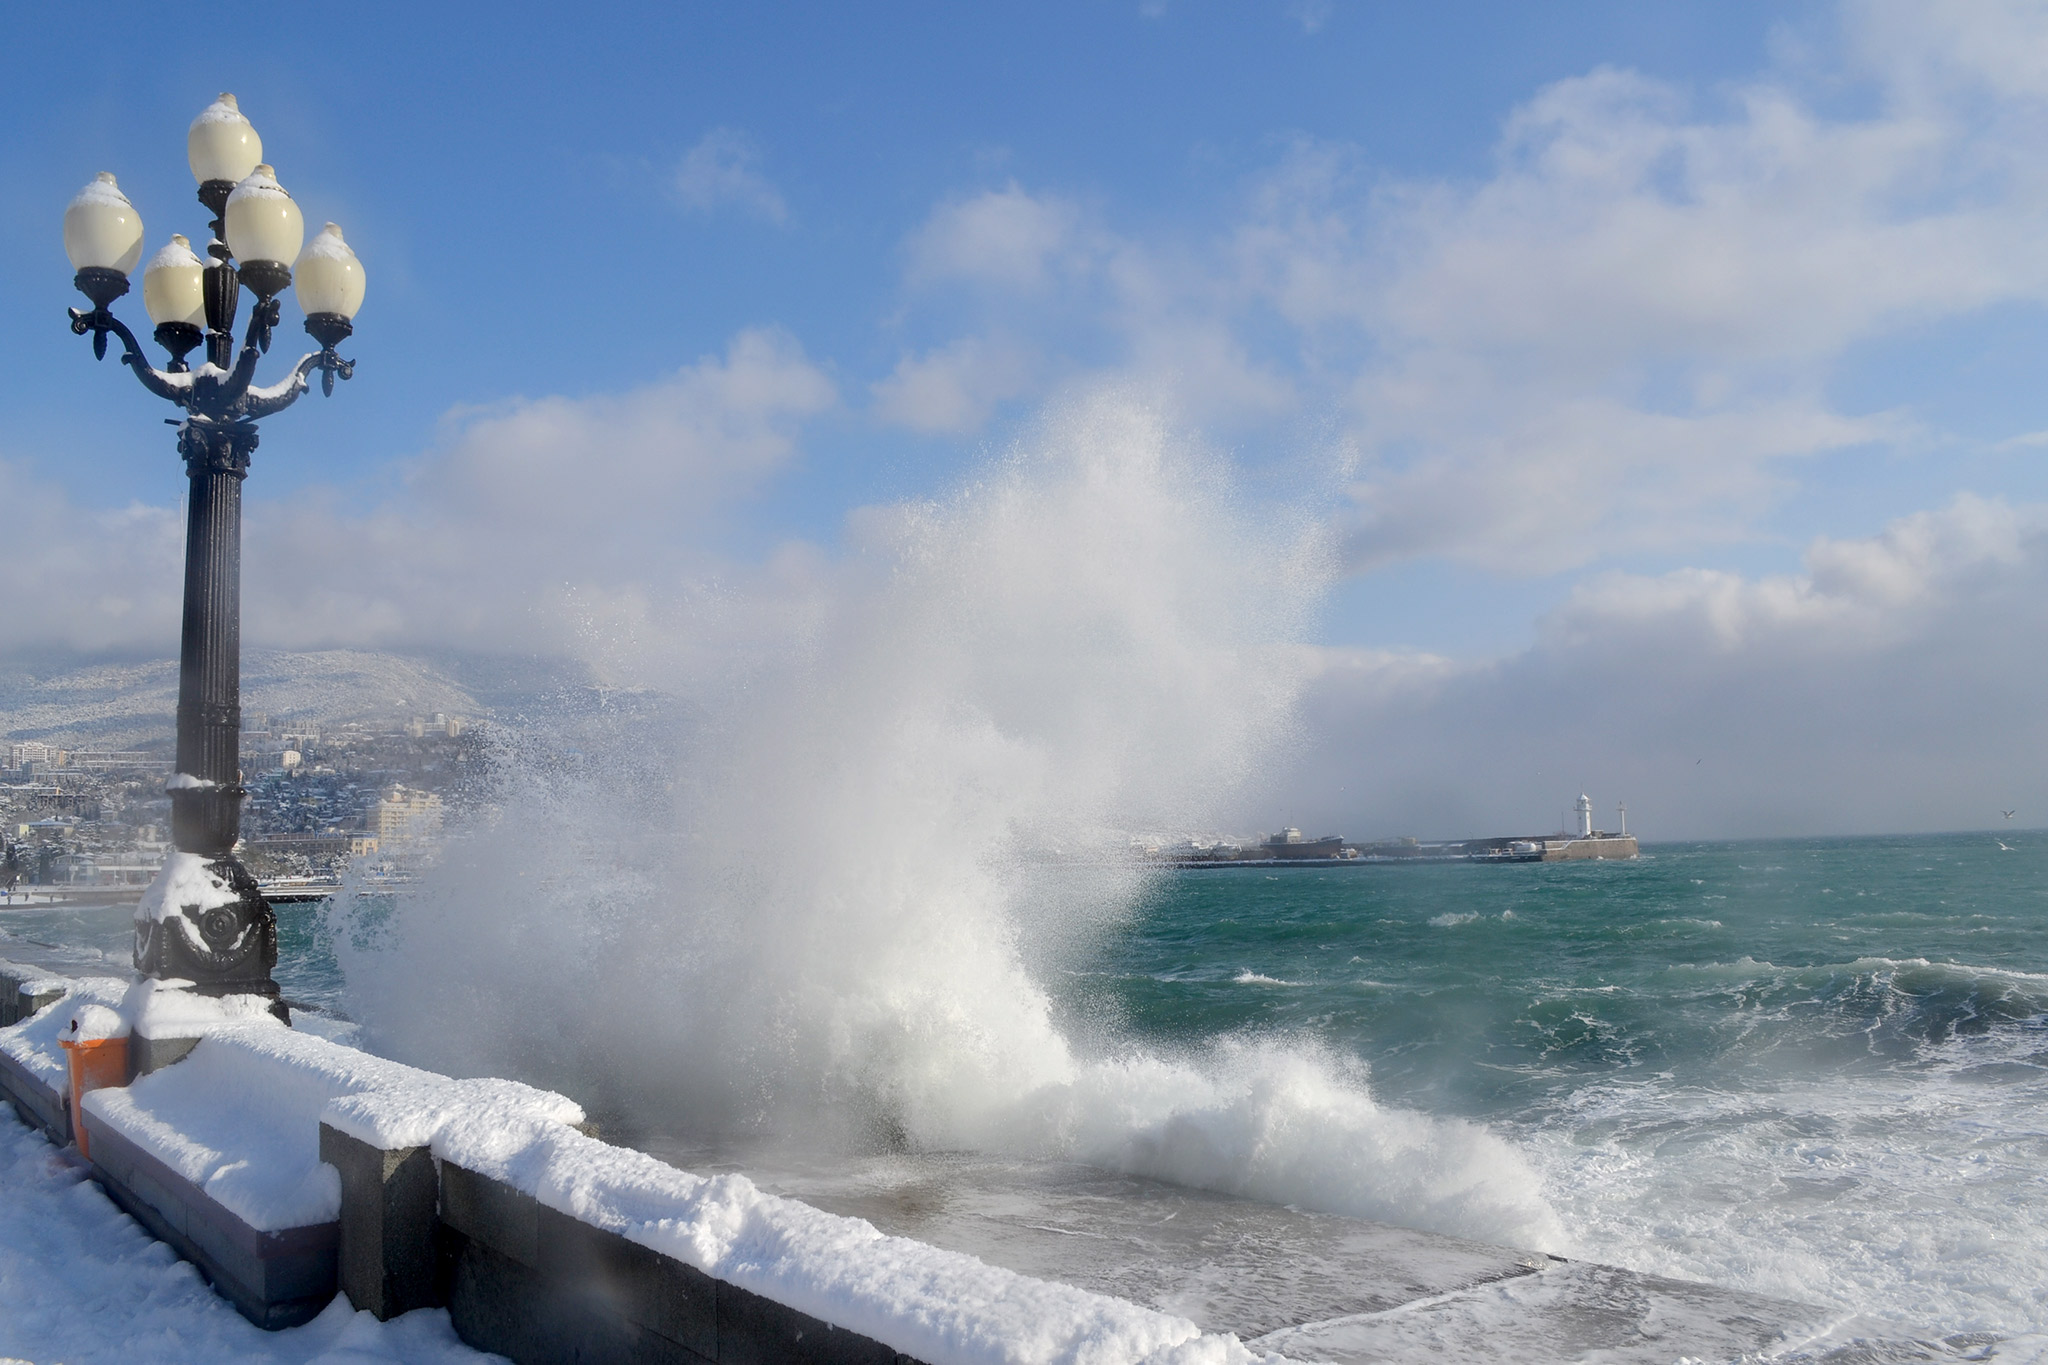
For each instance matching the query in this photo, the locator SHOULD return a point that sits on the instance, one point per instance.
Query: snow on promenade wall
(240, 1117)
(32, 1043)
(935, 1305)
(239, 1120)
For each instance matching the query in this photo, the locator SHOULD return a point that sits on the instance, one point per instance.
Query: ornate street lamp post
(204, 920)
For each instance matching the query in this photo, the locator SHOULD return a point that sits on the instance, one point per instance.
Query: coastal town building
(323, 795)
(408, 818)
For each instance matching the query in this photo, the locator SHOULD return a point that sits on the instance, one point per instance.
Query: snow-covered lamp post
(204, 920)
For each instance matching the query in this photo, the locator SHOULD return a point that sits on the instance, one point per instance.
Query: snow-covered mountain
(120, 704)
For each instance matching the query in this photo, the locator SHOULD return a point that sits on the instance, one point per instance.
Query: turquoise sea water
(1496, 992)
(1813, 1067)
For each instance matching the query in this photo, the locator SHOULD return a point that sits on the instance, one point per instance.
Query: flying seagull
(2004, 845)
(2010, 814)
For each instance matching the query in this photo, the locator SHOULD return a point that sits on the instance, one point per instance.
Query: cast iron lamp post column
(216, 931)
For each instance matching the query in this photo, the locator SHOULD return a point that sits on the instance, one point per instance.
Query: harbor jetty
(1289, 848)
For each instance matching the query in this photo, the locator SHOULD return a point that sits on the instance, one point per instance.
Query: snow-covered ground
(81, 1282)
(239, 1118)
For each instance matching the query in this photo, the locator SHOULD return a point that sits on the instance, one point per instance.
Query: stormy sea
(1815, 1069)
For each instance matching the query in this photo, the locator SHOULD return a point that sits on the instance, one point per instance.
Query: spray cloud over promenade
(844, 930)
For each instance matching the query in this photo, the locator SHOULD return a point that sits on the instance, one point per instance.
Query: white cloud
(542, 525)
(1855, 595)
(85, 579)
(721, 171)
(1541, 370)
(543, 516)
(1004, 238)
(1037, 266)
(1206, 369)
(1930, 52)
(1624, 334)
(954, 389)
(662, 452)
(1553, 485)
(1627, 333)
(1891, 685)
(1310, 14)
(1621, 228)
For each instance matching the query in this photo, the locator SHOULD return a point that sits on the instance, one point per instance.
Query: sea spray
(1284, 1121)
(835, 918)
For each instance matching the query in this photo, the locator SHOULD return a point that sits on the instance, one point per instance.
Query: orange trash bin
(95, 1063)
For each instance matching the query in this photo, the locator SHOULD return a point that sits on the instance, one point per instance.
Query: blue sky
(1537, 310)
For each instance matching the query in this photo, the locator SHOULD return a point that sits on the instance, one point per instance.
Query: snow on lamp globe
(174, 293)
(222, 147)
(103, 238)
(329, 282)
(265, 231)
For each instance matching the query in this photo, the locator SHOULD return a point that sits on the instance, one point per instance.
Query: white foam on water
(1282, 1123)
(842, 930)
(1911, 1193)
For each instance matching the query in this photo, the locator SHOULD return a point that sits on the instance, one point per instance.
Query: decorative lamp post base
(204, 921)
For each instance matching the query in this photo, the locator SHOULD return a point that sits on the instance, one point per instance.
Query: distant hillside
(117, 705)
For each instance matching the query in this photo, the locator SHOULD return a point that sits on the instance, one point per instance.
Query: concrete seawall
(518, 1278)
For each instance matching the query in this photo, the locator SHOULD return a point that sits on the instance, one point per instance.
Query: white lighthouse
(1585, 816)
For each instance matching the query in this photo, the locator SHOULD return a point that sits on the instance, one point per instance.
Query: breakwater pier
(1289, 848)
(1535, 849)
